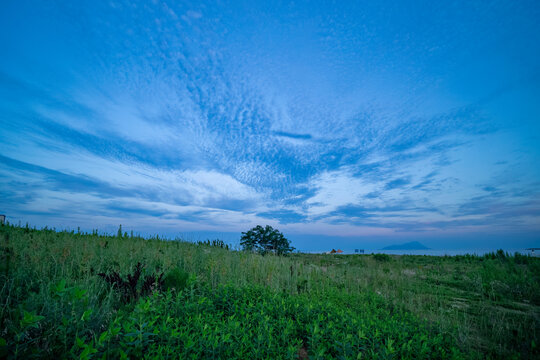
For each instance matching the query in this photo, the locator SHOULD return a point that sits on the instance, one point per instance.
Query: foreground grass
(224, 304)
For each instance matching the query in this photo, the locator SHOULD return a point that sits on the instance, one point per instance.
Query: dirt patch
(303, 354)
(459, 303)
(409, 272)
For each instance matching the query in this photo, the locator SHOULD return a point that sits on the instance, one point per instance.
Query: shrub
(381, 257)
(175, 279)
(521, 259)
(128, 289)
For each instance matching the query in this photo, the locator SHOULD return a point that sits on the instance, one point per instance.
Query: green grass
(224, 304)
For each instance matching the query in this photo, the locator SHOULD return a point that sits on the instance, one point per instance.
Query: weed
(128, 289)
(176, 279)
(381, 257)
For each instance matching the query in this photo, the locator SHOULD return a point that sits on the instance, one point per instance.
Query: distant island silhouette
(413, 245)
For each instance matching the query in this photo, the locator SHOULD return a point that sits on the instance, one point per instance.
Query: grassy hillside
(215, 303)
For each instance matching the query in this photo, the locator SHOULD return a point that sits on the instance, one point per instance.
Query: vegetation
(381, 257)
(209, 302)
(130, 289)
(216, 243)
(264, 240)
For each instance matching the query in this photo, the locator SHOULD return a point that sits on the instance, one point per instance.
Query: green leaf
(86, 315)
(60, 289)
(30, 319)
(102, 337)
(79, 293)
(87, 352)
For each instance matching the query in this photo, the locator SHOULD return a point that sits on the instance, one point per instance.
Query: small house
(334, 251)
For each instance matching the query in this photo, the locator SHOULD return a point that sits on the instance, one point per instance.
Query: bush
(381, 257)
(130, 289)
(521, 259)
(176, 279)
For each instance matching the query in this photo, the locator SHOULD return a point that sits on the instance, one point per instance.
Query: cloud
(292, 135)
(207, 120)
(397, 183)
(194, 14)
(88, 174)
(284, 216)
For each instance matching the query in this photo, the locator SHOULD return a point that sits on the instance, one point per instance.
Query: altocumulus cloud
(171, 117)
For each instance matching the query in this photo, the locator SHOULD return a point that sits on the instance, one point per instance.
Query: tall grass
(51, 295)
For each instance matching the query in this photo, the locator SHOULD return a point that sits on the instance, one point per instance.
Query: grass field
(221, 304)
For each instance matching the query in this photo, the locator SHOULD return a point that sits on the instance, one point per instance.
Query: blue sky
(343, 124)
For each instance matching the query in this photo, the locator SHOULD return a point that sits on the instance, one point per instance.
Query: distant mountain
(413, 245)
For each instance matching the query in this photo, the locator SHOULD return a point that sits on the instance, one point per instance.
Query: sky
(345, 124)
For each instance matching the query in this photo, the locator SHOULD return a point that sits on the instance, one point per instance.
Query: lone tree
(265, 239)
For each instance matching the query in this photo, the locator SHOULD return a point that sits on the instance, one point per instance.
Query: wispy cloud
(173, 116)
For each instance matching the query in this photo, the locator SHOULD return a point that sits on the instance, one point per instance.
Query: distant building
(334, 251)
(358, 251)
(2, 219)
(534, 251)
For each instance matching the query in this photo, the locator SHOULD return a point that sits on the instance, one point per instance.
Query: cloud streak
(180, 117)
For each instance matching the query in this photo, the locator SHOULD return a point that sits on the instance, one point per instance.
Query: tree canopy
(265, 239)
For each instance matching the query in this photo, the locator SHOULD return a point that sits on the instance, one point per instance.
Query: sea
(432, 252)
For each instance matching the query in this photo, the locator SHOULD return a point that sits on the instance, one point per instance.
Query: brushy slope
(222, 304)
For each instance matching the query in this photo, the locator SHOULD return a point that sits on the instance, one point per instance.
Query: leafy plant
(252, 322)
(175, 279)
(128, 288)
(381, 257)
